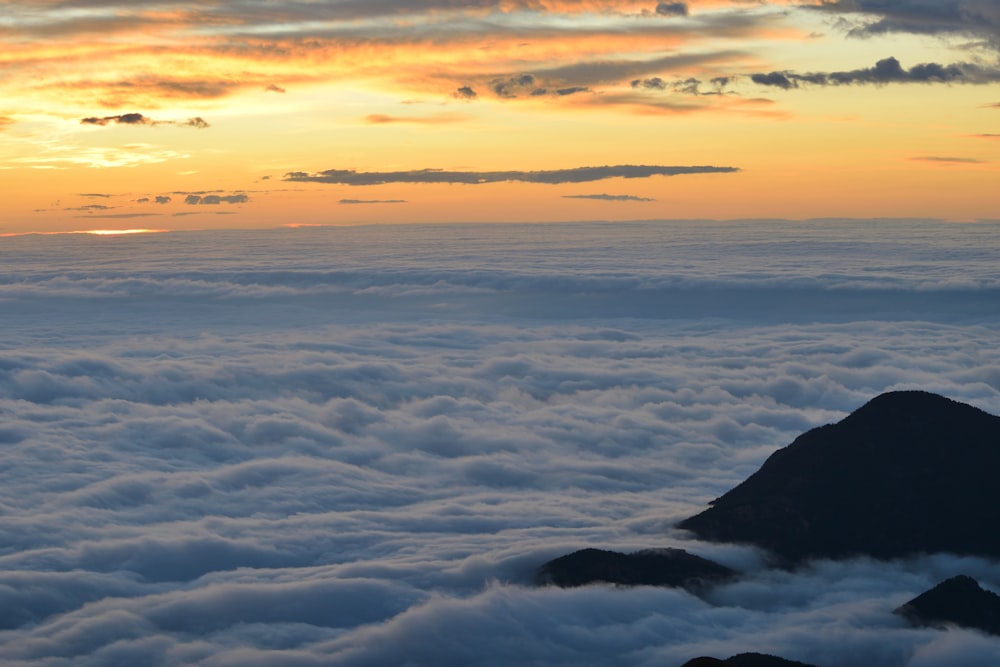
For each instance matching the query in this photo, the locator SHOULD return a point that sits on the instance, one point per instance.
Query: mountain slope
(908, 472)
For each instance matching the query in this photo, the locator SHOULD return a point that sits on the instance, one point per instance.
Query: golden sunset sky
(163, 114)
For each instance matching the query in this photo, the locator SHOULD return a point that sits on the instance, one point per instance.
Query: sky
(353, 446)
(255, 114)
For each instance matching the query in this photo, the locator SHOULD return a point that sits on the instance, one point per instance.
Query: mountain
(957, 601)
(762, 660)
(745, 660)
(649, 567)
(906, 473)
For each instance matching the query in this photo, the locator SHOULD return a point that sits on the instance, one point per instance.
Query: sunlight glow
(94, 232)
(117, 232)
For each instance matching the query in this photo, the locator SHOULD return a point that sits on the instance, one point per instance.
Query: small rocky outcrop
(909, 472)
(957, 601)
(649, 567)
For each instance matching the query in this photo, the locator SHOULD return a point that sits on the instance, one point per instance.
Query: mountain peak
(957, 601)
(909, 403)
(908, 472)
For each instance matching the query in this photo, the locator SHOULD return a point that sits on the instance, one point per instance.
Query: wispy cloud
(435, 119)
(373, 201)
(127, 155)
(605, 197)
(120, 216)
(89, 207)
(945, 159)
(551, 176)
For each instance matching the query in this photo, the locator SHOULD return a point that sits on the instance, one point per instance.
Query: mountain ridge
(909, 472)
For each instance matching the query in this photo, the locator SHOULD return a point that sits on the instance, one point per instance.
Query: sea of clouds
(353, 446)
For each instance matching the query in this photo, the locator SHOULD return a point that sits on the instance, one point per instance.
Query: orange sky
(178, 115)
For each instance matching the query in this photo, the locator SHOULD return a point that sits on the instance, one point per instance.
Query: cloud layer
(351, 446)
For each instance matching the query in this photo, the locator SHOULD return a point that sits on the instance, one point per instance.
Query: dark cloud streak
(552, 176)
(211, 200)
(605, 197)
(140, 119)
(944, 159)
(885, 71)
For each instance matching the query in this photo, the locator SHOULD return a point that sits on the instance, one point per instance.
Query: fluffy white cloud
(353, 446)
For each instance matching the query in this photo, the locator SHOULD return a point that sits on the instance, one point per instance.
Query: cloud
(90, 207)
(214, 199)
(163, 199)
(653, 83)
(124, 119)
(436, 119)
(888, 70)
(139, 119)
(603, 76)
(605, 197)
(552, 176)
(689, 86)
(526, 84)
(972, 17)
(353, 445)
(939, 159)
(672, 9)
(373, 201)
(435, 51)
(119, 216)
(594, 72)
(508, 88)
(777, 79)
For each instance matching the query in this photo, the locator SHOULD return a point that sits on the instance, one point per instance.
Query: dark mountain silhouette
(908, 472)
(745, 660)
(763, 660)
(650, 567)
(957, 601)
